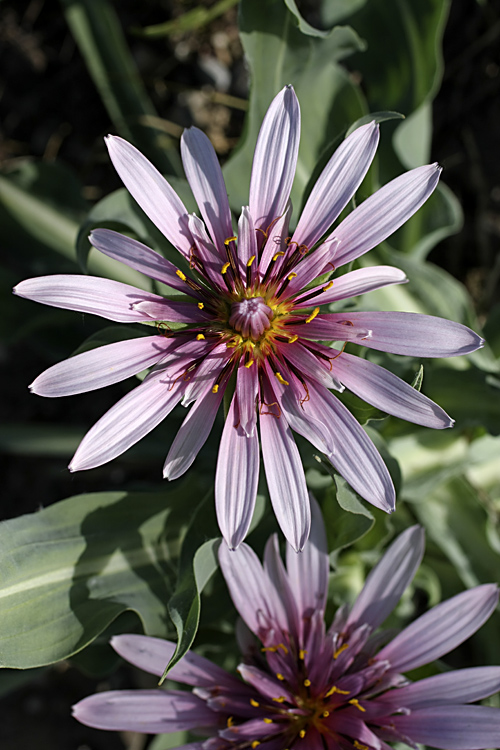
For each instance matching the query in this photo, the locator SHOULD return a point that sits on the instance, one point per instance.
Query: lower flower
(302, 685)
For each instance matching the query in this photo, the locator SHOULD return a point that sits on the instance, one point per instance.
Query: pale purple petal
(174, 311)
(284, 473)
(101, 366)
(275, 250)
(247, 245)
(274, 568)
(153, 654)
(193, 433)
(411, 334)
(152, 192)
(441, 629)
(388, 579)
(138, 256)
(360, 281)
(207, 371)
(211, 257)
(236, 478)
(311, 266)
(252, 591)
(308, 570)
(337, 184)
(387, 392)
(384, 212)
(457, 686)
(133, 417)
(247, 389)
(207, 183)
(313, 367)
(452, 727)
(88, 294)
(275, 159)
(146, 711)
(265, 683)
(331, 327)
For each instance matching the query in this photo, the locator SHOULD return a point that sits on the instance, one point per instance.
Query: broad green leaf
(96, 29)
(69, 570)
(471, 397)
(189, 21)
(278, 53)
(334, 11)
(169, 741)
(111, 335)
(198, 562)
(374, 117)
(40, 439)
(347, 519)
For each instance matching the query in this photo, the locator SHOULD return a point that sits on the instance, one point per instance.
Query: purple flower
(251, 313)
(310, 687)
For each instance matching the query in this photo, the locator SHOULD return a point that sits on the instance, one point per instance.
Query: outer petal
(360, 281)
(247, 245)
(384, 212)
(457, 686)
(274, 568)
(337, 184)
(247, 389)
(389, 579)
(275, 159)
(388, 392)
(152, 192)
(207, 183)
(405, 333)
(146, 711)
(284, 473)
(138, 256)
(441, 629)
(452, 727)
(308, 570)
(91, 294)
(102, 366)
(153, 654)
(236, 478)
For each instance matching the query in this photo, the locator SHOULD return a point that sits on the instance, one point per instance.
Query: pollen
(249, 363)
(281, 379)
(225, 267)
(291, 276)
(215, 388)
(355, 702)
(307, 683)
(302, 654)
(200, 337)
(328, 286)
(359, 746)
(256, 743)
(293, 339)
(278, 254)
(254, 703)
(230, 239)
(279, 676)
(230, 721)
(268, 721)
(325, 714)
(302, 734)
(312, 315)
(181, 275)
(280, 699)
(340, 650)
(201, 305)
(335, 689)
(250, 261)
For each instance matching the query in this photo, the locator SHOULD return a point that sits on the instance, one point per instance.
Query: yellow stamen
(272, 649)
(328, 286)
(231, 344)
(255, 744)
(215, 388)
(340, 650)
(230, 239)
(292, 339)
(283, 382)
(302, 734)
(280, 252)
(291, 276)
(254, 703)
(282, 645)
(201, 305)
(230, 721)
(181, 275)
(307, 683)
(281, 699)
(225, 267)
(250, 261)
(312, 315)
(279, 676)
(355, 702)
(302, 653)
(200, 337)
(249, 363)
(359, 746)
(268, 721)
(335, 689)
(325, 714)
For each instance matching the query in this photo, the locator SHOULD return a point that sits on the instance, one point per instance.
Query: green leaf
(278, 53)
(374, 117)
(471, 397)
(418, 379)
(190, 21)
(69, 570)
(96, 29)
(347, 519)
(198, 562)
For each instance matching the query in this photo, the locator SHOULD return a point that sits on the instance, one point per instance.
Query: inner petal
(251, 317)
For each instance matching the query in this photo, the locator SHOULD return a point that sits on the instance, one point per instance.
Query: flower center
(251, 317)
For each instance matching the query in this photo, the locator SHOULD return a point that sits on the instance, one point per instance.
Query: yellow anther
(254, 703)
(325, 714)
(225, 267)
(355, 702)
(282, 645)
(279, 676)
(328, 286)
(272, 649)
(280, 252)
(200, 337)
(230, 239)
(268, 721)
(335, 689)
(249, 363)
(231, 344)
(215, 388)
(302, 734)
(201, 305)
(250, 261)
(291, 276)
(255, 744)
(307, 683)
(312, 315)
(292, 339)
(230, 721)
(359, 746)
(181, 275)
(283, 382)
(281, 699)
(340, 650)
(302, 654)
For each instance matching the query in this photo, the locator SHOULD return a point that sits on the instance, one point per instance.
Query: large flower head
(306, 687)
(253, 311)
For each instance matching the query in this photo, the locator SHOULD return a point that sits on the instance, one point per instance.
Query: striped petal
(360, 281)
(452, 727)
